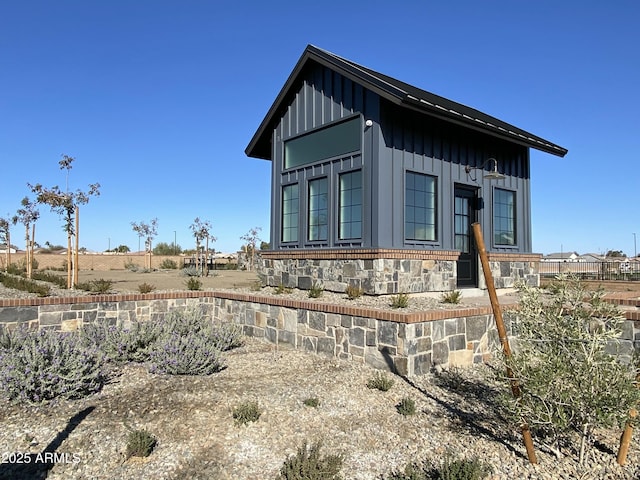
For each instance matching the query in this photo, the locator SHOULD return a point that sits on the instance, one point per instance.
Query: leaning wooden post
(625, 439)
(502, 334)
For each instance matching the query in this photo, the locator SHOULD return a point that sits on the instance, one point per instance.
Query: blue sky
(157, 100)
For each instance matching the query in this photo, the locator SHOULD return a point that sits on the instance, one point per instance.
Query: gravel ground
(191, 418)
(197, 438)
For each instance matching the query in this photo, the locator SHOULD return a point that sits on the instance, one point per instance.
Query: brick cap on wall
(360, 254)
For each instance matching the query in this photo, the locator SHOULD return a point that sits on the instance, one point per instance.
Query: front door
(464, 214)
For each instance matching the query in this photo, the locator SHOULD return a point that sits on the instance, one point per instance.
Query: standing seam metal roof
(400, 93)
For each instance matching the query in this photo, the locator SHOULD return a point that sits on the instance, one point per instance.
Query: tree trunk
(206, 258)
(76, 262)
(69, 261)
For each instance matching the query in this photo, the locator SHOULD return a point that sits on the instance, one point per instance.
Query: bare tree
(251, 238)
(27, 215)
(67, 205)
(148, 231)
(202, 231)
(5, 237)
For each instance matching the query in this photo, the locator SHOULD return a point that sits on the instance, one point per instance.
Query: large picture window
(504, 217)
(332, 141)
(420, 207)
(318, 214)
(290, 210)
(350, 205)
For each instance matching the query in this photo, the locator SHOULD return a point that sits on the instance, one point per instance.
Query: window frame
(436, 205)
(327, 210)
(512, 219)
(339, 223)
(282, 215)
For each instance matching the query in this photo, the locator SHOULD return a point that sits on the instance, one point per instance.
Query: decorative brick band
(360, 254)
(129, 297)
(513, 257)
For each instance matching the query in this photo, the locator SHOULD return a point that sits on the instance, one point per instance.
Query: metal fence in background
(627, 271)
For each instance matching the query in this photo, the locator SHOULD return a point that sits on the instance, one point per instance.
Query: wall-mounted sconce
(492, 174)
(368, 123)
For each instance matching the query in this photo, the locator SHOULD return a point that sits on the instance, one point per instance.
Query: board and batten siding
(409, 142)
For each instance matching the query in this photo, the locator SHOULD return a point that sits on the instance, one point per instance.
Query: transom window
(350, 205)
(318, 214)
(332, 141)
(504, 217)
(290, 210)
(420, 207)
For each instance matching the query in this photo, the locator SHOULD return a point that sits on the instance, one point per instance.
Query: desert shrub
(193, 283)
(564, 359)
(129, 265)
(312, 402)
(21, 265)
(24, 284)
(133, 344)
(400, 301)
(44, 276)
(407, 406)
(146, 287)
(49, 365)
(280, 289)
(230, 266)
(190, 354)
(454, 297)
(169, 264)
(16, 269)
(449, 468)
(380, 381)
(316, 290)
(140, 443)
(223, 335)
(191, 272)
(100, 285)
(353, 292)
(256, 286)
(246, 412)
(309, 464)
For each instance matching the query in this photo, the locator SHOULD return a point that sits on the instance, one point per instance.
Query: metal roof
(401, 94)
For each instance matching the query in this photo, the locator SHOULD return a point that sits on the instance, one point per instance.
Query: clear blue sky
(157, 100)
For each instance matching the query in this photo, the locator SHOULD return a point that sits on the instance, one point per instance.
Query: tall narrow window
(504, 217)
(420, 207)
(350, 205)
(290, 209)
(318, 210)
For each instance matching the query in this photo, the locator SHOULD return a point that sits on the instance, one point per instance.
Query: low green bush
(193, 283)
(146, 288)
(400, 301)
(45, 276)
(191, 354)
(407, 406)
(43, 365)
(380, 381)
(449, 468)
(309, 464)
(246, 412)
(140, 443)
(169, 264)
(353, 292)
(453, 297)
(24, 284)
(316, 290)
(312, 402)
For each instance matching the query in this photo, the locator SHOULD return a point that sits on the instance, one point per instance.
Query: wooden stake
(502, 334)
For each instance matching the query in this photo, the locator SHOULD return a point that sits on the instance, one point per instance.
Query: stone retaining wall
(407, 343)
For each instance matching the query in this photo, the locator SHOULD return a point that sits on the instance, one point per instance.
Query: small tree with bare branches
(202, 232)
(28, 216)
(67, 205)
(5, 237)
(148, 231)
(251, 238)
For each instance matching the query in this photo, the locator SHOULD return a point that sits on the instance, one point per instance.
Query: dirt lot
(128, 281)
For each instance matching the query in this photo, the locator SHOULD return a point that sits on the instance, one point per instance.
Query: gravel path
(197, 439)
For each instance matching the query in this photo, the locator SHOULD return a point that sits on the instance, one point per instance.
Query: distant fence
(627, 271)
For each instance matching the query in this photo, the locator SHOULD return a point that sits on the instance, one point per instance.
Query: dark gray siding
(416, 143)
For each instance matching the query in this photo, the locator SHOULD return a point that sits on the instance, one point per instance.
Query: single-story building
(376, 183)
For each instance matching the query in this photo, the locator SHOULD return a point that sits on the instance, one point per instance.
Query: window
(332, 141)
(420, 207)
(318, 210)
(504, 217)
(350, 205)
(290, 209)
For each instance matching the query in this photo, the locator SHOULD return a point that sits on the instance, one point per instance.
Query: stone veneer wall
(407, 343)
(382, 271)
(376, 271)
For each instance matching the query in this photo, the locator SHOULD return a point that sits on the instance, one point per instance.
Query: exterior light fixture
(492, 174)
